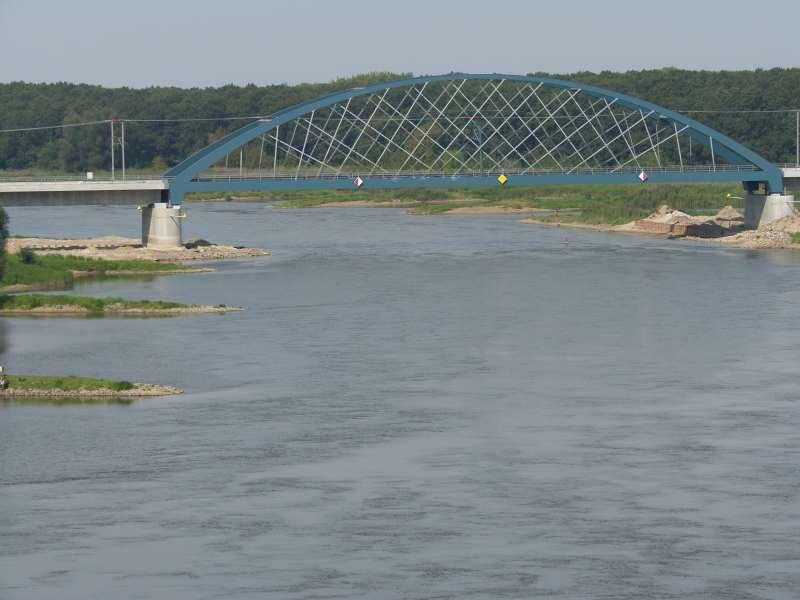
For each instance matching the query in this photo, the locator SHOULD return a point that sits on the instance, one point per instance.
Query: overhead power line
(254, 117)
(193, 119)
(734, 111)
(62, 126)
(106, 121)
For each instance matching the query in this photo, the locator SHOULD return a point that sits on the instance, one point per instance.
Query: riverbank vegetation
(48, 270)
(3, 236)
(615, 205)
(68, 383)
(72, 388)
(27, 271)
(22, 303)
(687, 197)
(596, 204)
(156, 146)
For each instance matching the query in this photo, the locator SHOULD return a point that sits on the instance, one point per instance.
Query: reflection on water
(415, 407)
(3, 340)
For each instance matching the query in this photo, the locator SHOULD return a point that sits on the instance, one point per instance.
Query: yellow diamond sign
(502, 179)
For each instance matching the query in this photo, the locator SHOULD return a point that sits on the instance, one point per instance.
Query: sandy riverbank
(122, 248)
(495, 210)
(576, 225)
(367, 204)
(139, 390)
(726, 227)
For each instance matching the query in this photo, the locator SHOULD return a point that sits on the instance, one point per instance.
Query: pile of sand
(790, 224)
(759, 238)
(727, 216)
(772, 235)
(728, 213)
(669, 216)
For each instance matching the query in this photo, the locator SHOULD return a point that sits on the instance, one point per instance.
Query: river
(414, 407)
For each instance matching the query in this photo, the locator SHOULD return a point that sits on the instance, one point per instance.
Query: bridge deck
(142, 190)
(85, 185)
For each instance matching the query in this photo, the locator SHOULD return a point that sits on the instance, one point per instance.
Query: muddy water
(415, 407)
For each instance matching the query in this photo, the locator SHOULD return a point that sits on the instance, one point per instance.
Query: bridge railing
(138, 177)
(261, 176)
(267, 176)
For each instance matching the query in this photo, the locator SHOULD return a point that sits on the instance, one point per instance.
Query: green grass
(796, 237)
(611, 204)
(57, 270)
(23, 302)
(306, 199)
(68, 383)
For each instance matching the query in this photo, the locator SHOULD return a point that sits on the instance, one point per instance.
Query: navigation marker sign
(358, 181)
(502, 179)
(643, 176)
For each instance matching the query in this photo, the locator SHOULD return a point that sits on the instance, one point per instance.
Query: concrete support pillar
(161, 225)
(760, 209)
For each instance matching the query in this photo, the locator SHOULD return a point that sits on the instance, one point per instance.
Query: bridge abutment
(760, 209)
(161, 225)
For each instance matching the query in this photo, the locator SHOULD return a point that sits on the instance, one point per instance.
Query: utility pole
(241, 155)
(122, 125)
(112, 149)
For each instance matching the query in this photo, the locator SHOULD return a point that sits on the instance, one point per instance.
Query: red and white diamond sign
(643, 176)
(358, 181)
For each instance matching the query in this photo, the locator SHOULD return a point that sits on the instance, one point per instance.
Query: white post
(123, 150)
(275, 154)
(241, 154)
(112, 149)
(713, 158)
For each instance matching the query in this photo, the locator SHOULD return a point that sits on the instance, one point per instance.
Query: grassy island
(72, 386)
(69, 383)
(45, 304)
(29, 269)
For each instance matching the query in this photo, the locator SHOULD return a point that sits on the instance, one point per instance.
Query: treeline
(3, 235)
(160, 144)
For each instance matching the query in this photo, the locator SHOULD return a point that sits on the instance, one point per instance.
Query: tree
(87, 148)
(3, 236)
(159, 165)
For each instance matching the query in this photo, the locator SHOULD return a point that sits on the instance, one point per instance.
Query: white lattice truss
(471, 127)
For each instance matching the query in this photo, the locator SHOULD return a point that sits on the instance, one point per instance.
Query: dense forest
(157, 145)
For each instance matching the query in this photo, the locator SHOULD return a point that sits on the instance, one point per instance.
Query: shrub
(3, 236)
(27, 256)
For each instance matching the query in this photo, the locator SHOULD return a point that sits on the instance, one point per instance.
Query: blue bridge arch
(440, 130)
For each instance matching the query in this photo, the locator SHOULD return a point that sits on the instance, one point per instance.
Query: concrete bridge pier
(161, 225)
(760, 209)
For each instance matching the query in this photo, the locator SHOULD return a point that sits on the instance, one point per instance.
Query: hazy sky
(202, 43)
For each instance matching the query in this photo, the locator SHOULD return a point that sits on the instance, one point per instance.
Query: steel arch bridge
(463, 130)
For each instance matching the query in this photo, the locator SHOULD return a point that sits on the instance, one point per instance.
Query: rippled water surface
(414, 407)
